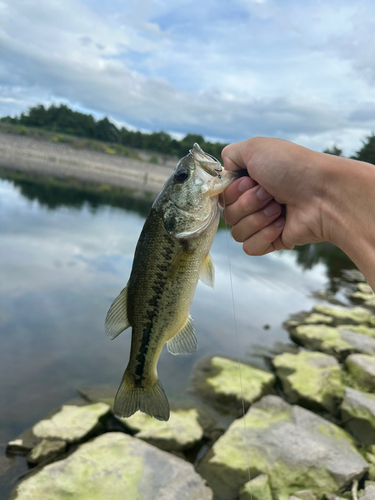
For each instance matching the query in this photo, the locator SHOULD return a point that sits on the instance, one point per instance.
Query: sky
(302, 71)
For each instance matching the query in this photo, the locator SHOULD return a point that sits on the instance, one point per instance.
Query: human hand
(279, 206)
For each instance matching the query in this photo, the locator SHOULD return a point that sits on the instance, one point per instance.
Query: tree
(367, 152)
(334, 150)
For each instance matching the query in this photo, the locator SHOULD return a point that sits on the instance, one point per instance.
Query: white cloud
(298, 71)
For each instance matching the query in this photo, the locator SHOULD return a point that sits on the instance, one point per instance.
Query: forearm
(349, 211)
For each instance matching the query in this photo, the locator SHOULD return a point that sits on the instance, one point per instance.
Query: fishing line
(237, 346)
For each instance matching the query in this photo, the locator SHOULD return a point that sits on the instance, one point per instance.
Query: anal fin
(185, 341)
(116, 320)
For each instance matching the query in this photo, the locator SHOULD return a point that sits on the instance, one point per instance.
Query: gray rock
(72, 423)
(115, 466)
(362, 369)
(358, 415)
(305, 495)
(189, 421)
(369, 493)
(339, 342)
(296, 448)
(318, 319)
(365, 288)
(311, 379)
(256, 489)
(98, 394)
(355, 316)
(46, 450)
(216, 380)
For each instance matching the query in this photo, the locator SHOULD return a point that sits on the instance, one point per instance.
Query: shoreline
(38, 156)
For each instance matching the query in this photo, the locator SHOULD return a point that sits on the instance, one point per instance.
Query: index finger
(235, 156)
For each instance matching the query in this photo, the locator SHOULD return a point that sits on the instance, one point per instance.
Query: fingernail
(272, 209)
(280, 222)
(263, 194)
(245, 184)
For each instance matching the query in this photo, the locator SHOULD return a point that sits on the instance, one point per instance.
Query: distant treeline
(62, 119)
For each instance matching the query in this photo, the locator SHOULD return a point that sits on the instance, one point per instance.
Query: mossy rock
(358, 415)
(115, 466)
(339, 342)
(189, 421)
(72, 423)
(362, 368)
(297, 449)
(217, 380)
(311, 379)
(256, 489)
(318, 319)
(355, 316)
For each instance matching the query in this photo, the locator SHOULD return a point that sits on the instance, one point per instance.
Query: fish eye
(181, 175)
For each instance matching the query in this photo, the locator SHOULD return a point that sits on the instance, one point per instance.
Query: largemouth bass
(171, 255)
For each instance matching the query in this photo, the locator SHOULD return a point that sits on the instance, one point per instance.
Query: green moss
(328, 337)
(316, 318)
(79, 476)
(357, 315)
(310, 377)
(226, 379)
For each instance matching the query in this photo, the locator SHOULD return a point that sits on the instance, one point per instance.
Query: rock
(23, 444)
(305, 495)
(311, 379)
(332, 496)
(98, 394)
(190, 420)
(358, 415)
(318, 319)
(46, 449)
(365, 288)
(217, 380)
(355, 316)
(180, 432)
(362, 369)
(297, 449)
(369, 493)
(256, 489)
(72, 423)
(336, 341)
(353, 275)
(115, 466)
(363, 296)
(370, 302)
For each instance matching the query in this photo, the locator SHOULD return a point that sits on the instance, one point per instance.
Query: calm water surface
(64, 257)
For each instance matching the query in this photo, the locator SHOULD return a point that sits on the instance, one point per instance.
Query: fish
(171, 255)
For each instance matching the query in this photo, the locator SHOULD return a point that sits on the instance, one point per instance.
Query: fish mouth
(210, 171)
(206, 162)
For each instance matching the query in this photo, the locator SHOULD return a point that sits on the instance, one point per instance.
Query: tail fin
(152, 401)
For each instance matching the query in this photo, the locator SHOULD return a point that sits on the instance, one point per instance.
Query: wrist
(348, 210)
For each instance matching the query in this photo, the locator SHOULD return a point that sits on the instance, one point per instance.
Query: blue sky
(303, 71)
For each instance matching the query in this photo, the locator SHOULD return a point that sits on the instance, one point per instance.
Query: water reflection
(64, 256)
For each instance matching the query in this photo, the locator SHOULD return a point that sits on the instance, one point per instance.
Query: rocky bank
(308, 432)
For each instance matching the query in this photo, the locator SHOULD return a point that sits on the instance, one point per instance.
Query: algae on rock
(362, 368)
(297, 449)
(311, 379)
(358, 415)
(72, 423)
(217, 380)
(339, 342)
(115, 466)
(256, 489)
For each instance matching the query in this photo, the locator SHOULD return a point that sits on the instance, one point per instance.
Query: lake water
(66, 254)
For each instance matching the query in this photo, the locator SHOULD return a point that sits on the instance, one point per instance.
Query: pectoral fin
(185, 341)
(117, 316)
(207, 274)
